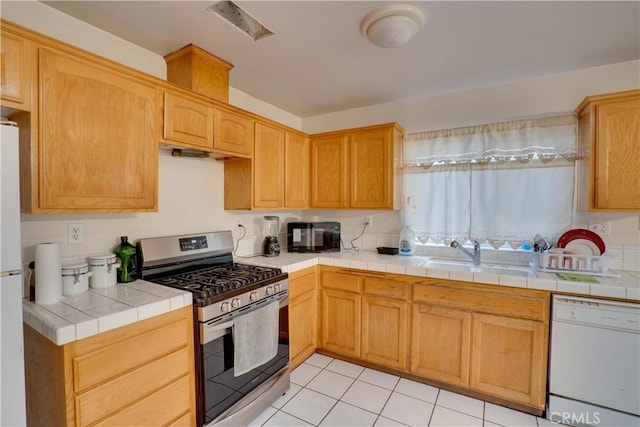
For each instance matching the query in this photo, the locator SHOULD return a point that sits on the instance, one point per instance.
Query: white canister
(75, 278)
(104, 269)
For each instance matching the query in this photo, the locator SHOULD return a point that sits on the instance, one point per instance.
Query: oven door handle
(212, 332)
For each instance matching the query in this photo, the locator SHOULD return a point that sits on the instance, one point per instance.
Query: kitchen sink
(467, 266)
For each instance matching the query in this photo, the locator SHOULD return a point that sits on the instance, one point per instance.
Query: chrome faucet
(475, 256)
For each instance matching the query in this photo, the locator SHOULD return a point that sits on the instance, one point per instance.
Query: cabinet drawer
(130, 387)
(386, 288)
(482, 301)
(100, 365)
(159, 408)
(302, 285)
(183, 421)
(341, 281)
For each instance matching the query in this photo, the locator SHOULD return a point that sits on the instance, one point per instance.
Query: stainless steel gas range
(241, 323)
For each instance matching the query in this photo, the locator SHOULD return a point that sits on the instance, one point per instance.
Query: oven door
(223, 395)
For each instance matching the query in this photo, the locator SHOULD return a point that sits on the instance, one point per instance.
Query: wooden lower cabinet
(303, 315)
(508, 358)
(365, 316)
(488, 339)
(341, 322)
(120, 377)
(440, 344)
(384, 331)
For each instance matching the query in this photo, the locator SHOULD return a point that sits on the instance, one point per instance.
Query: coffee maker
(270, 245)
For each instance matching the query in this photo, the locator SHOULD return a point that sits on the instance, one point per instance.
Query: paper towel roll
(48, 273)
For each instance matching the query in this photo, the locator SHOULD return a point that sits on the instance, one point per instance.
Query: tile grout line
(433, 410)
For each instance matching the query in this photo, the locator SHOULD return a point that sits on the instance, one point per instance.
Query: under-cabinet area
(486, 341)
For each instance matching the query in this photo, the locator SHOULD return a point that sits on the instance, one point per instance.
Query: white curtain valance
(546, 140)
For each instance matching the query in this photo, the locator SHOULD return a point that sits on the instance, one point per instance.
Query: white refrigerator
(12, 388)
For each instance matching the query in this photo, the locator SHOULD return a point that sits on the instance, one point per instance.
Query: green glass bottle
(128, 271)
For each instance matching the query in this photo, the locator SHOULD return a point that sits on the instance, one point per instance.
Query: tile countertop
(100, 310)
(625, 287)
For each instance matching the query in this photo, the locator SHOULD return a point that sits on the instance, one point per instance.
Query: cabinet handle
(361, 274)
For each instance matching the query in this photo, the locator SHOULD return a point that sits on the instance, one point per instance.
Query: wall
(545, 96)
(190, 198)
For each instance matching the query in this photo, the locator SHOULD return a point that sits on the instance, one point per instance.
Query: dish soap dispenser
(407, 244)
(128, 270)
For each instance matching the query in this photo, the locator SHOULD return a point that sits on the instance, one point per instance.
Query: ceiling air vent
(240, 19)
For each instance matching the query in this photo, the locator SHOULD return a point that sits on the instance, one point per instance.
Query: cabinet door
(188, 121)
(341, 322)
(508, 358)
(440, 344)
(296, 171)
(14, 69)
(233, 133)
(329, 172)
(384, 331)
(371, 169)
(99, 133)
(268, 167)
(303, 317)
(617, 185)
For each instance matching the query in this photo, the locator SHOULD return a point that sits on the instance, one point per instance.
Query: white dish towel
(255, 338)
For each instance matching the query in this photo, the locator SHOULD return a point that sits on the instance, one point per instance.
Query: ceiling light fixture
(240, 19)
(392, 25)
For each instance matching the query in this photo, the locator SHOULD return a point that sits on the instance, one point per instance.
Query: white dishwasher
(594, 368)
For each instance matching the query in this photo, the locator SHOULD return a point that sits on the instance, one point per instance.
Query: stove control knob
(224, 307)
(253, 296)
(235, 303)
(276, 287)
(269, 290)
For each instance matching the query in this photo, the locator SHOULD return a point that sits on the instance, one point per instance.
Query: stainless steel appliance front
(235, 401)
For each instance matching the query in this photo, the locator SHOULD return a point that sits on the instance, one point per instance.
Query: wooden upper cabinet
(278, 175)
(371, 169)
(609, 152)
(296, 171)
(329, 172)
(188, 121)
(268, 166)
(98, 137)
(15, 81)
(233, 133)
(357, 168)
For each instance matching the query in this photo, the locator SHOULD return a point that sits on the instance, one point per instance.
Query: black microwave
(313, 237)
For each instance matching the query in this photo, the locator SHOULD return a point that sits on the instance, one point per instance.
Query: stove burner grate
(209, 284)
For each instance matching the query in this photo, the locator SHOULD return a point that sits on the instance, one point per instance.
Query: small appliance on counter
(313, 237)
(270, 245)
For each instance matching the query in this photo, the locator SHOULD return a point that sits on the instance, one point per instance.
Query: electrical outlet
(75, 234)
(602, 228)
(368, 220)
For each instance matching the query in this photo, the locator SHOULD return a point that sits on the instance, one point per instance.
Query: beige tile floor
(331, 392)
